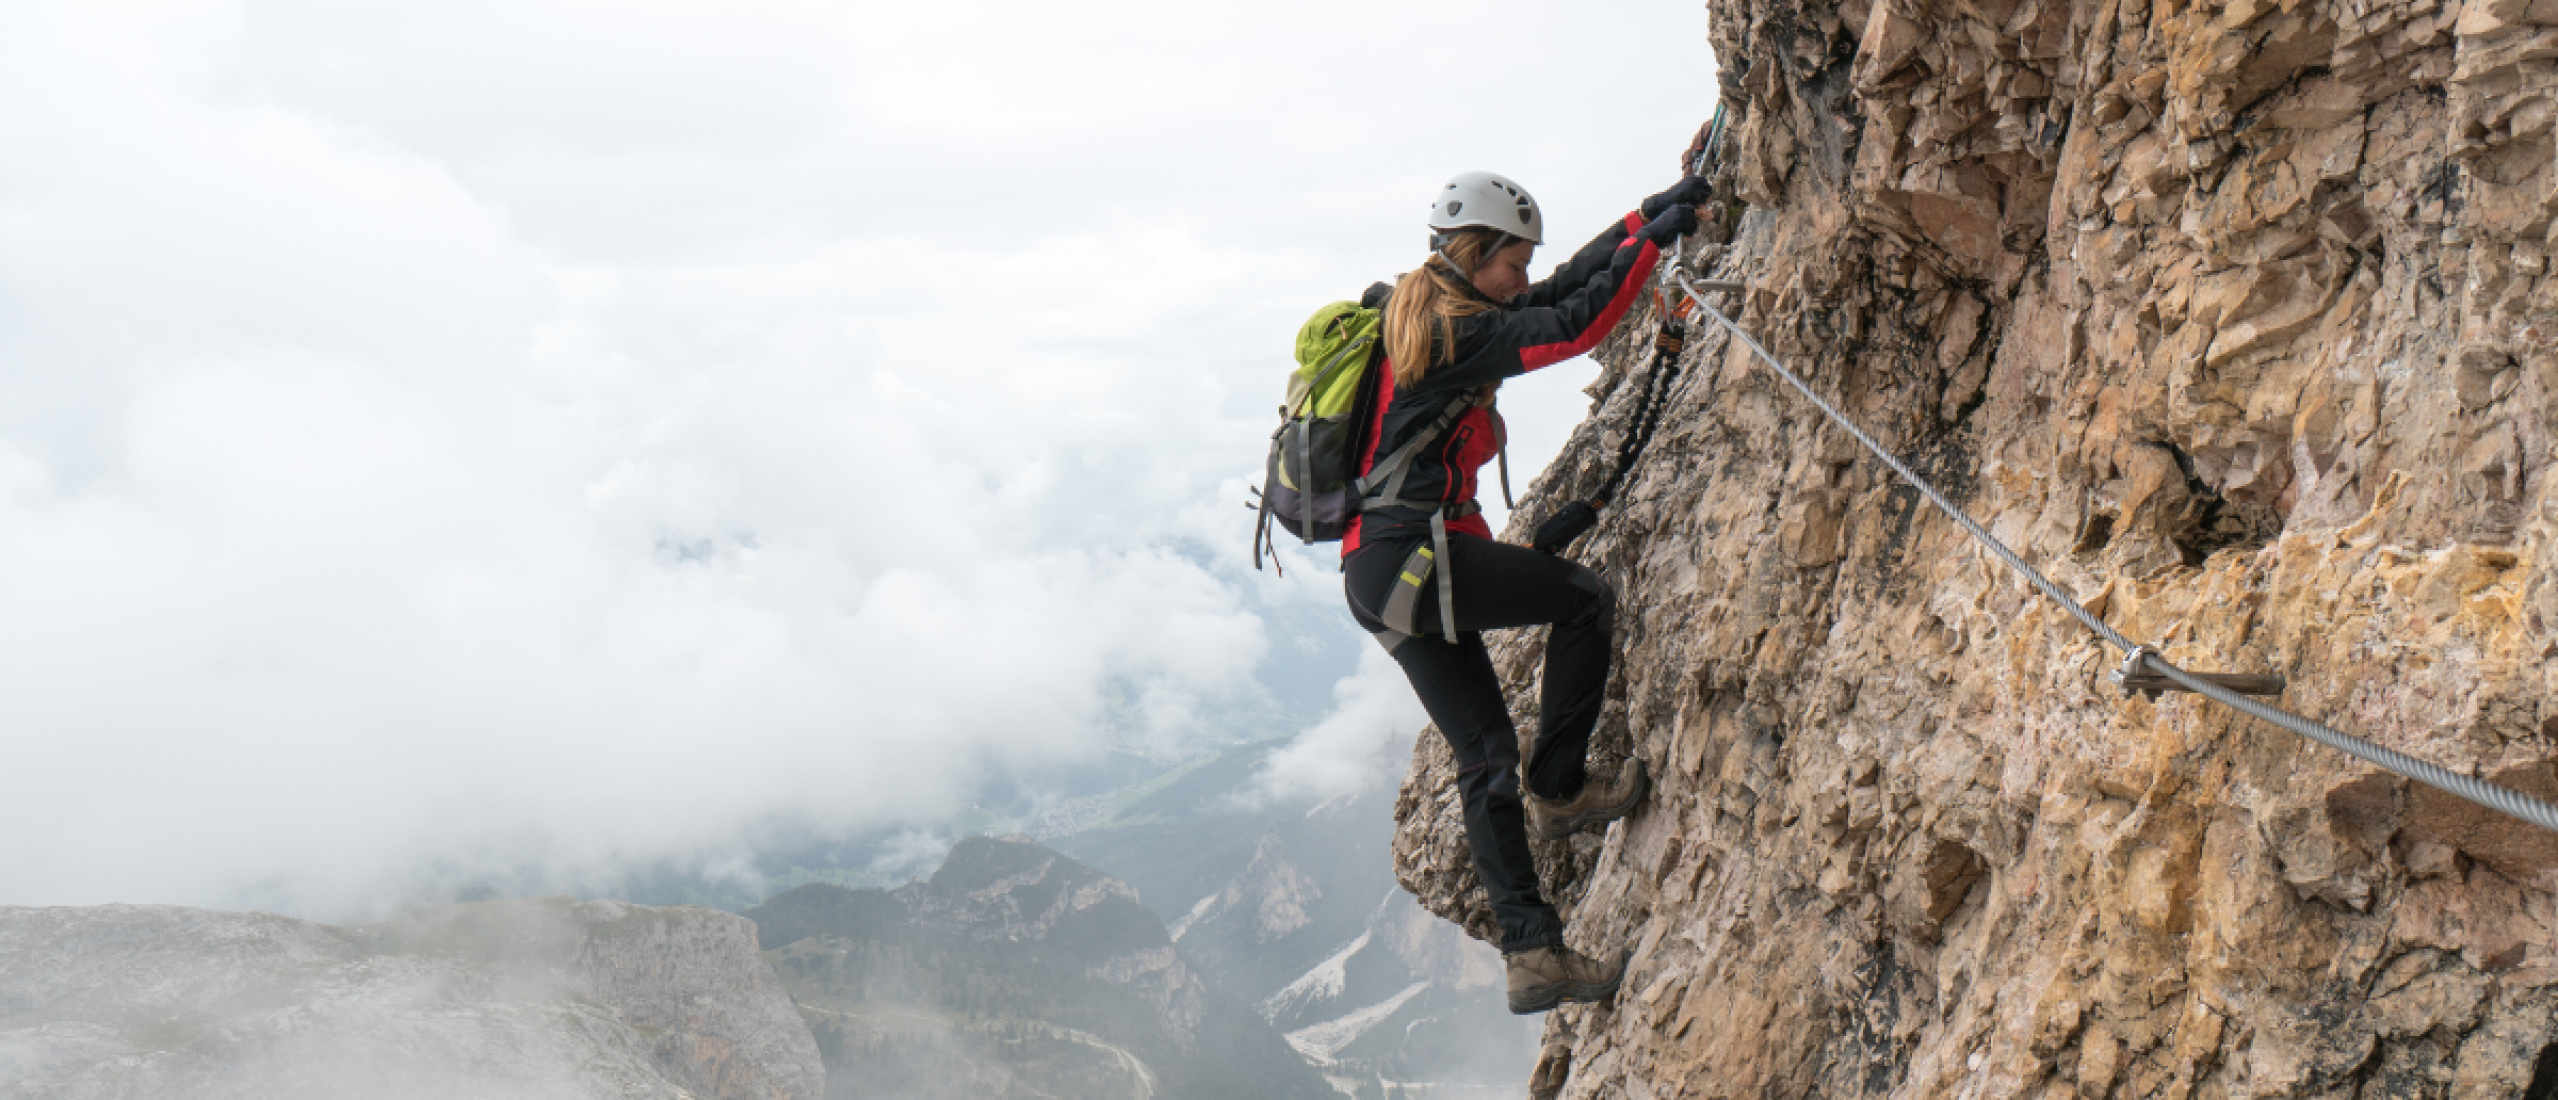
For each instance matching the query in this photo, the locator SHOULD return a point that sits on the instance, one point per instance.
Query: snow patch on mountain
(1320, 1042)
(1326, 981)
(1207, 906)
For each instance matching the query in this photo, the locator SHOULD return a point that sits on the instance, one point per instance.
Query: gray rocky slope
(2239, 320)
(519, 1000)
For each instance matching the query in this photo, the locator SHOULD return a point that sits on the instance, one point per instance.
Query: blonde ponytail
(1427, 298)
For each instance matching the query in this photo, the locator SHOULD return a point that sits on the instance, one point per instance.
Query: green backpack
(1312, 466)
(1313, 487)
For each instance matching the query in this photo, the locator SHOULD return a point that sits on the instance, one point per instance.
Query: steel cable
(2501, 799)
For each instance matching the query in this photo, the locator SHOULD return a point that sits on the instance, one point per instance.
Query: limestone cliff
(2238, 320)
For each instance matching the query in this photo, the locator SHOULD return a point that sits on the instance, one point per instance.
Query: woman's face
(1505, 275)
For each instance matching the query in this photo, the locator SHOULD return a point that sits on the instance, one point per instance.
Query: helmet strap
(1439, 242)
(1463, 278)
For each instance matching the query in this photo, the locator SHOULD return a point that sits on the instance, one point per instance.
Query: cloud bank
(564, 435)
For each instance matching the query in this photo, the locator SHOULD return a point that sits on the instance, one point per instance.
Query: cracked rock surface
(2238, 321)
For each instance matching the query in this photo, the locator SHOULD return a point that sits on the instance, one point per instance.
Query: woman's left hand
(1692, 191)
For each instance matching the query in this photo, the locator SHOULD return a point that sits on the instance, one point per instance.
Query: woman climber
(1425, 576)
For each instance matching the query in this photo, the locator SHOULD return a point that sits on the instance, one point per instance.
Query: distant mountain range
(1244, 949)
(543, 999)
(1297, 910)
(1013, 972)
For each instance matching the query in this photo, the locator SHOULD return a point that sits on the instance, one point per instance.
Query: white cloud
(1369, 731)
(562, 434)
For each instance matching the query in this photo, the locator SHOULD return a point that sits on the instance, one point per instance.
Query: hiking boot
(1597, 804)
(1543, 977)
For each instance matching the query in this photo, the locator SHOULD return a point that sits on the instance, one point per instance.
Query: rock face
(524, 999)
(1014, 972)
(2239, 321)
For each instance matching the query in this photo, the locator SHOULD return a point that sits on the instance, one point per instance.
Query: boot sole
(1542, 1000)
(1561, 827)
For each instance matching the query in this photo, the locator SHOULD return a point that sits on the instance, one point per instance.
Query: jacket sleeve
(1576, 271)
(1511, 342)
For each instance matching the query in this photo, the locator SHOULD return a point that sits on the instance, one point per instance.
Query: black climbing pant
(1499, 585)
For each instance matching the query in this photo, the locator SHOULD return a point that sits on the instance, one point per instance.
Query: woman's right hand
(1569, 522)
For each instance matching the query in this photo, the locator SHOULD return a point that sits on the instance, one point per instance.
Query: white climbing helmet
(1481, 198)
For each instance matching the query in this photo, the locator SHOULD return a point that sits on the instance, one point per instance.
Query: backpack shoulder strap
(1390, 471)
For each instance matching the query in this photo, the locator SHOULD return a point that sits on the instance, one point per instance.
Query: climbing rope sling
(2142, 664)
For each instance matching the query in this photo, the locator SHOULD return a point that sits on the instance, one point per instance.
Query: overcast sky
(565, 434)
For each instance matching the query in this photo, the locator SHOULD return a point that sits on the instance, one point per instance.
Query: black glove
(1566, 524)
(1692, 191)
(1677, 221)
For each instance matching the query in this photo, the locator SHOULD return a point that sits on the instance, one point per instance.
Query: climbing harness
(2143, 669)
(1383, 488)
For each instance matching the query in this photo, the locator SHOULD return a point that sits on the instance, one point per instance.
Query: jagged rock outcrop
(2237, 319)
(549, 999)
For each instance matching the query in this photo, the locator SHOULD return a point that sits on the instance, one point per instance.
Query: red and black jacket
(1562, 315)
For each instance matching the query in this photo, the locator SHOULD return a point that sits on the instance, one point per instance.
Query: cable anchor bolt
(2136, 677)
